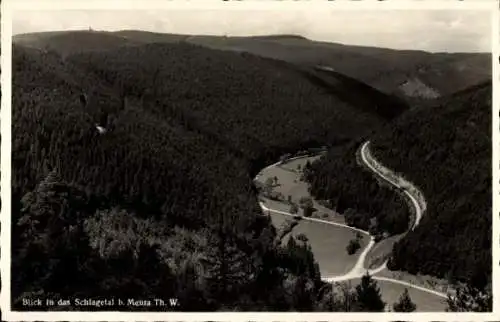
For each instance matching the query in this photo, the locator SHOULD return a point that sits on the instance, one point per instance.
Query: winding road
(371, 163)
(358, 269)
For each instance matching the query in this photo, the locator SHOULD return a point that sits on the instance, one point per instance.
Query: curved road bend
(418, 209)
(358, 270)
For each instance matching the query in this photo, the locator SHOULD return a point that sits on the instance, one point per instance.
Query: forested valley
(443, 148)
(162, 204)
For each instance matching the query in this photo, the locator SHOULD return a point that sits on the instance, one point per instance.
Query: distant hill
(163, 204)
(409, 74)
(66, 43)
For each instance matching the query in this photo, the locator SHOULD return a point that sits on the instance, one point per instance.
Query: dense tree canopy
(411, 74)
(354, 191)
(162, 203)
(445, 150)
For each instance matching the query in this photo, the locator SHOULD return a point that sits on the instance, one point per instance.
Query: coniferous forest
(445, 150)
(133, 174)
(451, 163)
(163, 203)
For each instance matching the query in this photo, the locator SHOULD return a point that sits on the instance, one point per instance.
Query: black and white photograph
(237, 157)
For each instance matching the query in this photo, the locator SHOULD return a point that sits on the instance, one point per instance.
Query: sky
(430, 30)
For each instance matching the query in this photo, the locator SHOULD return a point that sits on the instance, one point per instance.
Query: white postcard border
(7, 7)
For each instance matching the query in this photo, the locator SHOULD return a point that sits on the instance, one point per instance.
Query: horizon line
(250, 36)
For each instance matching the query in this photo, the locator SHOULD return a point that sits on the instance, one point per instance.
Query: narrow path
(421, 288)
(265, 208)
(358, 269)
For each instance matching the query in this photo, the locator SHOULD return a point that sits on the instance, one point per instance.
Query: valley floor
(328, 244)
(328, 236)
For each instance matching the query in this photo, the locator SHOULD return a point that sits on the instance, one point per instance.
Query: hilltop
(66, 43)
(410, 74)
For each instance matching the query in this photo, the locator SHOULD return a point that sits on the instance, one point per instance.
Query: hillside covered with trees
(410, 74)
(162, 204)
(353, 191)
(445, 150)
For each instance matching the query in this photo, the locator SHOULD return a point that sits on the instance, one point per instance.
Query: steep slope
(410, 74)
(445, 150)
(198, 87)
(162, 204)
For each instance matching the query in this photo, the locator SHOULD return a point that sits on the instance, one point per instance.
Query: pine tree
(405, 303)
(49, 229)
(368, 295)
(42, 210)
(226, 269)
